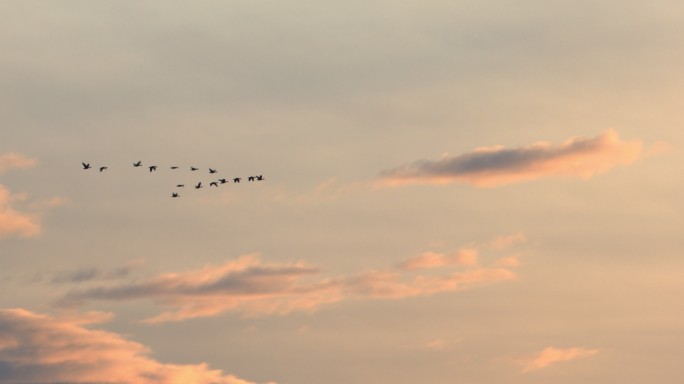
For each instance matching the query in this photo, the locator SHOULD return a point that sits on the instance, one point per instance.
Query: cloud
(462, 257)
(553, 355)
(254, 288)
(245, 284)
(38, 348)
(13, 221)
(10, 161)
(18, 216)
(493, 166)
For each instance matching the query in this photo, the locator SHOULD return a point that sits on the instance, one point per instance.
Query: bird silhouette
(237, 179)
(180, 185)
(174, 167)
(251, 178)
(199, 185)
(212, 170)
(86, 165)
(174, 194)
(102, 168)
(153, 168)
(260, 178)
(193, 168)
(139, 163)
(213, 184)
(223, 181)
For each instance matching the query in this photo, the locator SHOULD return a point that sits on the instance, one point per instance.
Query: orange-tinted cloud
(13, 221)
(492, 166)
(36, 348)
(553, 355)
(11, 160)
(253, 288)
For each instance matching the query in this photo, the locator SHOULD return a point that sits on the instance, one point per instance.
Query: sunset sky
(454, 192)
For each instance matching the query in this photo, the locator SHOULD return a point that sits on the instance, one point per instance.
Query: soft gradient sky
(455, 191)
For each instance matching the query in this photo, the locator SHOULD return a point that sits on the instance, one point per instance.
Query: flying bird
(260, 178)
(174, 167)
(180, 185)
(213, 184)
(102, 168)
(153, 168)
(86, 165)
(251, 178)
(193, 168)
(223, 181)
(174, 194)
(139, 163)
(212, 170)
(237, 179)
(199, 185)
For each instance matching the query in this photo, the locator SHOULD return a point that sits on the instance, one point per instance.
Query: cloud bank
(553, 355)
(254, 288)
(36, 348)
(493, 166)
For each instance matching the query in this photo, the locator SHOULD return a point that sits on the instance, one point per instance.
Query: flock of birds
(199, 185)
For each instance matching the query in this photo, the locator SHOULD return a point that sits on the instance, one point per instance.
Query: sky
(453, 191)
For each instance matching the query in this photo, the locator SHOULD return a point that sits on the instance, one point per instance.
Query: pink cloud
(14, 222)
(11, 160)
(493, 166)
(553, 355)
(42, 349)
(254, 288)
(464, 257)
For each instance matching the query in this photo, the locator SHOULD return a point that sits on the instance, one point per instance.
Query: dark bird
(193, 168)
(174, 167)
(153, 168)
(139, 163)
(260, 178)
(223, 181)
(199, 185)
(213, 184)
(86, 165)
(180, 185)
(212, 170)
(251, 178)
(237, 179)
(102, 168)
(174, 194)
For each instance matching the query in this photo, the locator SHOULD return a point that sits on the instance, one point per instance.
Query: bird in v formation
(153, 168)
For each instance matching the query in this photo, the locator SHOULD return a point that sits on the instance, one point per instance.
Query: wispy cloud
(38, 348)
(254, 288)
(553, 355)
(493, 166)
(9, 161)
